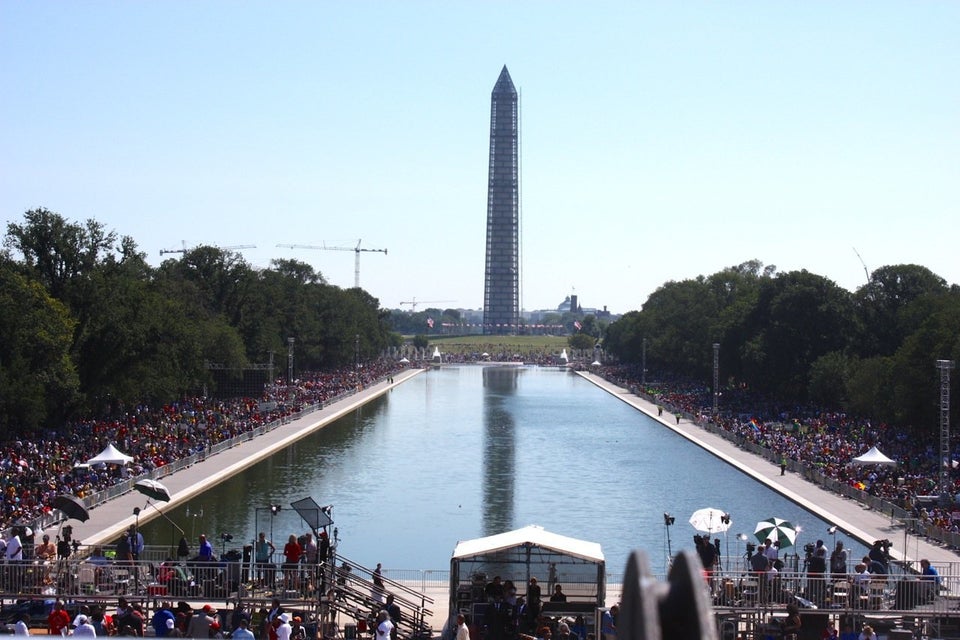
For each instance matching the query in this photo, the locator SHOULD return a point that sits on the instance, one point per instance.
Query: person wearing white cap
(284, 630)
(84, 628)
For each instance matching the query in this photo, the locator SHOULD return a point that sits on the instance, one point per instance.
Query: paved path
(853, 518)
(109, 520)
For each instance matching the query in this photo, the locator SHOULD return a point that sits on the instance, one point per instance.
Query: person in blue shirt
(927, 572)
(206, 550)
(160, 625)
(930, 581)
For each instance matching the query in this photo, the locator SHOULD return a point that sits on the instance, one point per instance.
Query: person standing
(463, 631)
(558, 594)
(377, 592)
(206, 550)
(135, 542)
(838, 561)
(816, 570)
(263, 551)
(608, 623)
(291, 566)
(58, 622)
(242, 632)
(84, 628)
(161, 617)
(199, 626)
(284, 630)
(384, 626)
(393, 610)
(534, 600)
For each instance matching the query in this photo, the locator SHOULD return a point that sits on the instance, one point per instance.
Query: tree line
(798, 337)
(86, 325)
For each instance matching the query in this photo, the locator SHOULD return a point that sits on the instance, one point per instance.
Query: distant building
(501, 286)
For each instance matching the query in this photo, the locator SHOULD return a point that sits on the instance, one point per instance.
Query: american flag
(430, 322)
(577, 324)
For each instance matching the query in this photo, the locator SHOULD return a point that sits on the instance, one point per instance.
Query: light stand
(173, 525)
(274, 510)
(725, 519)
(135, 543)
(742, 537)
(668, 521)
(224, 539)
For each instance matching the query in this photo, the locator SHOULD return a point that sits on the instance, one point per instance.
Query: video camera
(226, 537)
(809, 548)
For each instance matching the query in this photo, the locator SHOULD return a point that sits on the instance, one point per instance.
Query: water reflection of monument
(499, 464)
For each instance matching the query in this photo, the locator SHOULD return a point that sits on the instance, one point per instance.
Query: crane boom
(183, 249)
(413, 303)
(323, 247)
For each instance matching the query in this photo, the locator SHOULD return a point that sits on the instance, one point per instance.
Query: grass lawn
(491, 344)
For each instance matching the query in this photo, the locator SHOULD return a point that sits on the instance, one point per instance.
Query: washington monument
(501, 285)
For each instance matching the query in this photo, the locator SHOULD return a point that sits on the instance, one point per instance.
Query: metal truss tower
(501, 287)
(946, 459)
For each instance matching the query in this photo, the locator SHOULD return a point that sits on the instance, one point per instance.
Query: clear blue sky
(660, 140)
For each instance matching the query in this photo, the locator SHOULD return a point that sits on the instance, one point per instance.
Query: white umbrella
(710, 520)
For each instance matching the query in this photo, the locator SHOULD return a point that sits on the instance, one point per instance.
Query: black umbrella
(153, 489)
(72, 507)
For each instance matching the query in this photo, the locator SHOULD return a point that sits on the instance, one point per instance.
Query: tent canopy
(110, 455)
(522, 554)
(513, 545)
(874, 456)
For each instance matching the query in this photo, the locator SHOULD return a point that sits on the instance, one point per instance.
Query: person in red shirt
(59, 620)
(291, 567)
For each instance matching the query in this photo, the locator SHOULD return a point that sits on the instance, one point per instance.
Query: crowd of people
(820, 438)
(36, 468)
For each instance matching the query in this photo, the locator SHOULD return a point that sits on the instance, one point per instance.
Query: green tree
(798, 317)
(581, 341)
(887, 305)
(38, 381)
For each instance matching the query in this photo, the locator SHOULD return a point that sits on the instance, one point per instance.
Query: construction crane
(183, 249)
(324, 247)
(413, 303)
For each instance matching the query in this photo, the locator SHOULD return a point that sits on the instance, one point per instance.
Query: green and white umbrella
(776, 529)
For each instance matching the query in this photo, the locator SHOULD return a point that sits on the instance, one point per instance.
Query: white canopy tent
(110, 455)
(873, 456)
(530, 552)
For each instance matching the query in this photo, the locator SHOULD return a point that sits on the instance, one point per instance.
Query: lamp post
(668, 521)
(716, 378)
(742, 537)
(290, 342)
(643, 365)
(135, 550)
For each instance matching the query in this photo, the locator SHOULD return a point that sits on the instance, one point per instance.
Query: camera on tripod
(751, 547)
(226, 537)
(809, 548)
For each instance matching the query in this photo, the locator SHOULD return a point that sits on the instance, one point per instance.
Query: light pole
(643, 365)
(290, 342)
(668, 520)
(135, 550)
(716, 378)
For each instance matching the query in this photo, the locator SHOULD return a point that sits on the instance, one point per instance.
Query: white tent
(874, 456)
(523, 554)
(110, 455)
